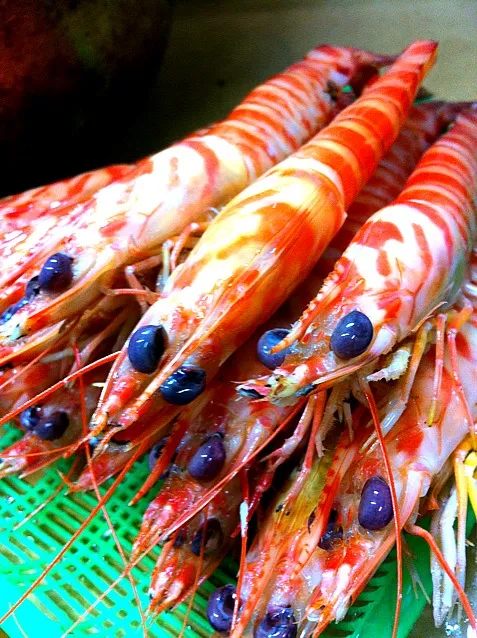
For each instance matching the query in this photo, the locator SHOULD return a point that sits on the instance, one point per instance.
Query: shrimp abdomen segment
(360, 135)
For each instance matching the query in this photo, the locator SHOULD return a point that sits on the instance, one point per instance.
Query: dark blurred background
(73, 75)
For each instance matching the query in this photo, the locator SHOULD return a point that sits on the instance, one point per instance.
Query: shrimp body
(266, 583)
(129, 220)
(322, 579)
(406, 261)
(422, 127)
(425, 123)
(418, 453)
(264, 243)
(188, 559)
(30, 205)
(323, 565)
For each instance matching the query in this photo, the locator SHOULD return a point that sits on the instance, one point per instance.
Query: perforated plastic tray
(93, 563)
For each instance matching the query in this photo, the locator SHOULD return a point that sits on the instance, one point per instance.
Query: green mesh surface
(93, 562)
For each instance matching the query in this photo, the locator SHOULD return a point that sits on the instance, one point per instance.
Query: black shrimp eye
(352, 335)
(56, 273)
(32, 288)
(53, 426)
(220, 608)
(268, 341)
(183, 386)
(375, 507)
(30, 417)
(279, 622)
(214, 538)
(332, 534)
(146, 347)
(208, 460)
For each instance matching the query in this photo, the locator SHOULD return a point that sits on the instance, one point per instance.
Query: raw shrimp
(243, 423)
(350, 530)
(266, 590)
(52, 426)
(50, 429)
(195, 551)
(129, 220)
(260, 256)
(406, 261)
(223, 430)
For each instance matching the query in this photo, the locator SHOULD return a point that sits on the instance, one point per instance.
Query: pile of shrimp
(281, 312)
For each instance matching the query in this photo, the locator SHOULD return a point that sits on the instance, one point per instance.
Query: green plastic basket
(93, 563)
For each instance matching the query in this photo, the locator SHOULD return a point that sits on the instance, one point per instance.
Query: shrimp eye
(32, 288)
(352, 335)
(376, 507)
(278, 623)
(214, 538)
(53, 426)
(146, 347)
(56, 273)
(208, 460)
(332, 534)
(268, 341)
(220, 608)
(183, 386)
(30, 417)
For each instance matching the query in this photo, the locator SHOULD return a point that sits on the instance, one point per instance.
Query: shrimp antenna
(51, 497)
(397, 523)
(416, 530)
(126, 571)
(244, 517)
(84, 420)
